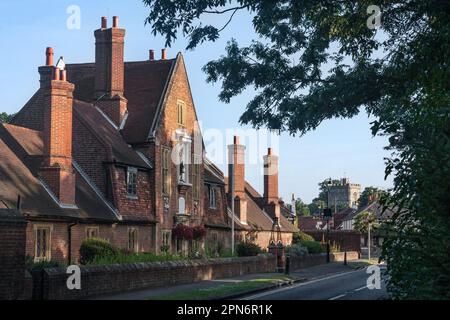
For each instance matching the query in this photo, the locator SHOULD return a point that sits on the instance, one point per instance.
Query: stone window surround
(48, 254)
(135, 232)
(89, 229)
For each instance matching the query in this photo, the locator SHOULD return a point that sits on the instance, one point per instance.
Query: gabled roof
(20, 158)
(145, 86)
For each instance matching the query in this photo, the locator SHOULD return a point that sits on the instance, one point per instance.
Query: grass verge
(224, 290)
(362, 263)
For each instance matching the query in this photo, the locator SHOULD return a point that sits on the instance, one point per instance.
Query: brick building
(112, 149)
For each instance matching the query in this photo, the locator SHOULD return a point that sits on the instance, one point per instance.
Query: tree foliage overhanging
(315, 60)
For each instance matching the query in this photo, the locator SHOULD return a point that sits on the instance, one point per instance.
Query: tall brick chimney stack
(56, 170)
(271, 199)
(236, 156)
(109, 70)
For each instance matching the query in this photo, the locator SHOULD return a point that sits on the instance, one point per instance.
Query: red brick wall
(12, 255)
(101, 280)
(345, 240)
(310, 260)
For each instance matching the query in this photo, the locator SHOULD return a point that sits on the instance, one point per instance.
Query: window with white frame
(132, 182)
(42, 243)
(133, 240)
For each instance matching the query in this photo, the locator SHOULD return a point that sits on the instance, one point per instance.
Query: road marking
(362, 288)
(259, 295)
(348, 292)
(337, 297)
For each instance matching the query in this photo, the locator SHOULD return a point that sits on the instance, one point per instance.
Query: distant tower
(293, 211)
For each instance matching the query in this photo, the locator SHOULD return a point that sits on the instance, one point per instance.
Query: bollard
(286, 268)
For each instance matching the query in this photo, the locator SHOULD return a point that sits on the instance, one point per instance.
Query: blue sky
(336, 148)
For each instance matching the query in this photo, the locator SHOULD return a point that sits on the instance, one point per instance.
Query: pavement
(299, 276)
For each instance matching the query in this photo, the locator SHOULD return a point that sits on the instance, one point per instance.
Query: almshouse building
(112, 149)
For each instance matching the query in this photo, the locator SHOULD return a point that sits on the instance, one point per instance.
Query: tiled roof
(20, 158)
(308, 223)
(145, 84)
(100, 126)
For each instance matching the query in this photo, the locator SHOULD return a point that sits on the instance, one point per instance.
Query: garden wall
(50, 284)
(344, 239)
(12, 254)
(310, 260)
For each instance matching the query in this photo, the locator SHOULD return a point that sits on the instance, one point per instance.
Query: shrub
(297, 250)
(182, 231)
(36, 266)
(123, 258)
(313, 246)
(198, 232)
(248, 249)
(301, 236)
(95, 248)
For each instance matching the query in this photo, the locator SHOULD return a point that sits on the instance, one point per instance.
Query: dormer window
(132, 182)
(181, 112)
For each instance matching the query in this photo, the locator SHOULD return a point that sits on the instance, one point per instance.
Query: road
(343, 286)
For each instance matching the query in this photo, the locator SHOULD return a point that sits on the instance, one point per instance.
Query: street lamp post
(328, 218)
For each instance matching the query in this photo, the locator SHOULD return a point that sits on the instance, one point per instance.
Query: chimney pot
(152, 55)
(236, 140)
(163, 54)
(49, 56)
(56, 74)
(269, 151)
(63, 75)
(104, 22)
(115, 22)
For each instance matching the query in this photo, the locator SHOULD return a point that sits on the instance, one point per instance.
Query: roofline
(96, 190)
(162, 100)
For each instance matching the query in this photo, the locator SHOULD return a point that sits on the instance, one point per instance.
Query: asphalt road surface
(343, 286)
